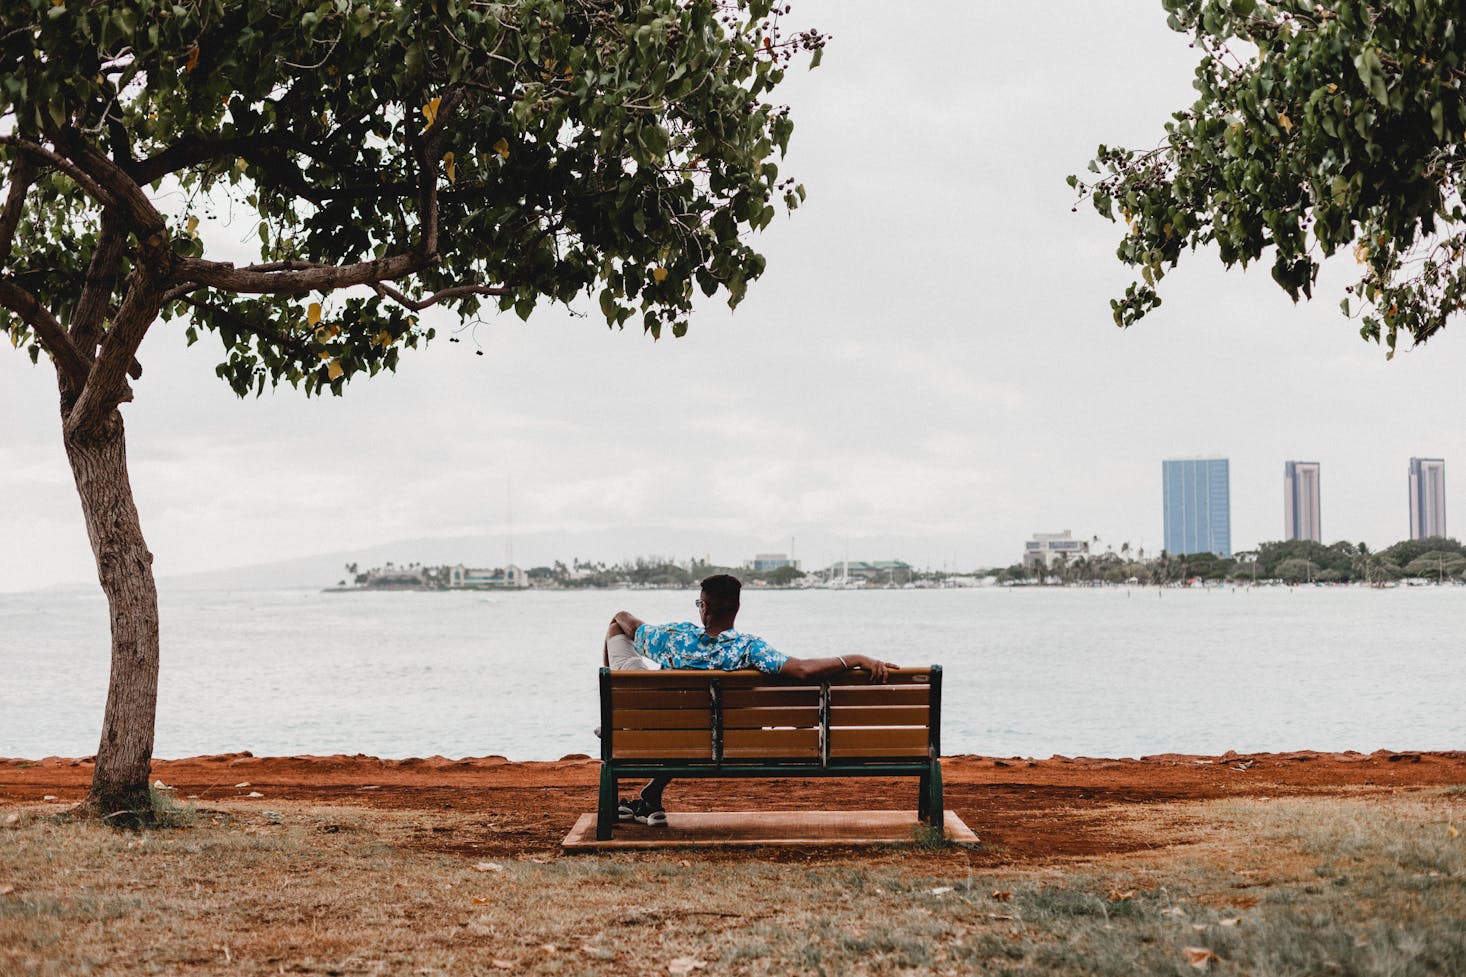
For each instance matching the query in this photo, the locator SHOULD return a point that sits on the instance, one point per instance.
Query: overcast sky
(927, 371)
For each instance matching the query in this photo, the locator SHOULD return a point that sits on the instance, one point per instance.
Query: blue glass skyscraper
(1198, 506)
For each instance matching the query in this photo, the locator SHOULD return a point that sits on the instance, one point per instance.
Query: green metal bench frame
(927, 769)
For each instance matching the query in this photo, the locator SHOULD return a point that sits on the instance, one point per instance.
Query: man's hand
(626, 623)
(875, 666)
(815, 669)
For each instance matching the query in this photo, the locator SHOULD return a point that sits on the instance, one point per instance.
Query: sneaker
(644, 813)
(626, 808)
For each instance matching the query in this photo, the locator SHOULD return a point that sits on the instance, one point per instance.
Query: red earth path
(1023, 810)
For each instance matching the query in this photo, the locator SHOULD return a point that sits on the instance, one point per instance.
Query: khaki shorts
(623, 655)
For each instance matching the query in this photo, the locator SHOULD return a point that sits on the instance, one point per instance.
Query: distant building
(1301, 519)
(498, 578)
(1197, 498)
(881, 571)
(1427, 497)
(1047, 548)
(764, 562)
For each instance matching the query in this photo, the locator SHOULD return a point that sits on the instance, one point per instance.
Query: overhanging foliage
(1318, 127)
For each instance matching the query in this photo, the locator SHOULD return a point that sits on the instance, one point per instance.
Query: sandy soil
(1024, 810)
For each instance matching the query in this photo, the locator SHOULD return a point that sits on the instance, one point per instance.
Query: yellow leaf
(448, 165)
(384, 339)
(333, 370)
(502, 148)
(430, 111)
(313, 313)
(1451, 831)
(1285, 122)
(659, 275)
(193, 55)
(193, 226)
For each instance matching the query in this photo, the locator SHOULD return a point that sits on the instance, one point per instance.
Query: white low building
(1047, 548)
(489, 578)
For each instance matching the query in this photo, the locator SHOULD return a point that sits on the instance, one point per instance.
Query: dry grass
(1309, 886)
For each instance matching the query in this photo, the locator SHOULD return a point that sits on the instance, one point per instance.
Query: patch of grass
(169, 813)
(1307, 886)
(929, 838)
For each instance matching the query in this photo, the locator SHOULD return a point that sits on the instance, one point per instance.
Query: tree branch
(22, 174)
(41, 154)
(388, 291)
(121, 189)
(99, 283)
(70, 366)
(106, 385)
(294, 280)
(180, 291)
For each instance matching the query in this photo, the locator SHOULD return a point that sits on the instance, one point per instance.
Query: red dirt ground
(1023, 810)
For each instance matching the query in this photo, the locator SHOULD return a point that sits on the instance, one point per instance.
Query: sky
(927, 371)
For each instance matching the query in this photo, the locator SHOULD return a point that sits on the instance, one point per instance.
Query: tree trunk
(120, 784)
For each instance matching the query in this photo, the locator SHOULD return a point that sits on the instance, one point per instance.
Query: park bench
(707, 723)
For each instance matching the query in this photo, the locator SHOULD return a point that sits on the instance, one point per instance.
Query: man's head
(719, 597)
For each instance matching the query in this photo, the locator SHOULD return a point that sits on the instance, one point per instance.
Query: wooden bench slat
(655, 699)
(751, 743)
(771, 716)
(885, 695)
(895, 741)
(671, 743)
(879, 715)
(896, 676)
(662, 718)
(794, 695)
(666, 678)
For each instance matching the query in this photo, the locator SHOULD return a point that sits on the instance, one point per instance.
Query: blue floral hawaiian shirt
(687, 645)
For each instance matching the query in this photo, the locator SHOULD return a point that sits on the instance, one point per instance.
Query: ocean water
(1028, 672)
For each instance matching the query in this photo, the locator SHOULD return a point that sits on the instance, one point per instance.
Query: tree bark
(120, 784)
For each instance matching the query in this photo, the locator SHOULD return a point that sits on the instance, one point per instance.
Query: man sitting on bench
(630, 642)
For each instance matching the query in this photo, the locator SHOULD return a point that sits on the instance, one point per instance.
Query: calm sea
(1029, 672)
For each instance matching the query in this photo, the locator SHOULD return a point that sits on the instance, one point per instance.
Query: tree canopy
(438, 152)
(1318, 127)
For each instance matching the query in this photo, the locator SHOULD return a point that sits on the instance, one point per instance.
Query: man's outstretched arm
(814, 669)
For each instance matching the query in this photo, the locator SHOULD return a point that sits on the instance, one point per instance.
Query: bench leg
(606, 807)
(923, 795)
(936, 816)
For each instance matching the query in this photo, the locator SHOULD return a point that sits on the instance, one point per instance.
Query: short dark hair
(722, 590)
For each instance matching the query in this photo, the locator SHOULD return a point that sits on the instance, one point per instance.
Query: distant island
(1290, 562)
(770, 570)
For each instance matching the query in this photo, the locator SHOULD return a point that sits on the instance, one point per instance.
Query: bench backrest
(716, 717)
